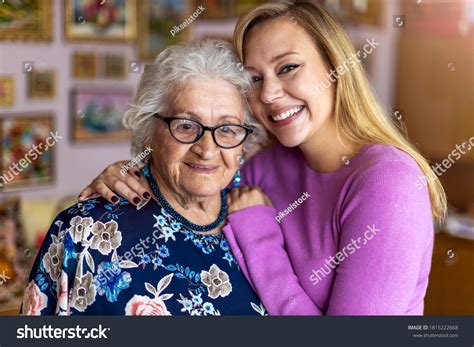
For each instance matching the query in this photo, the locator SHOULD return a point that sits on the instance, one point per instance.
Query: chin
(288, 140)
(204, 191)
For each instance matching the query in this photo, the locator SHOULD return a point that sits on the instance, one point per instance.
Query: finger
(235, 194)
(106, 193)
(123, 189)
(136, 186)
(268, 202)
(245, 189)
(85, 194)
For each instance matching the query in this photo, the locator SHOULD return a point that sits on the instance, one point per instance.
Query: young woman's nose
(271, 90)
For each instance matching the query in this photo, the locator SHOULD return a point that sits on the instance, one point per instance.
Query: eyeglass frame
(168, 120)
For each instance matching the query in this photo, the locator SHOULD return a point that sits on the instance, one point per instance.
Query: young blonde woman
(349, 232)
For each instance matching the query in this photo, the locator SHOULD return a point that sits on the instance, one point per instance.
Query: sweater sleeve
(257, 241)
(385, 246)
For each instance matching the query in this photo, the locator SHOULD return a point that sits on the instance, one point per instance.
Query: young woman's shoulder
(385, 156)
(387, 171)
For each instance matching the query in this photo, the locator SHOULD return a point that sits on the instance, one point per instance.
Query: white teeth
(287, 114)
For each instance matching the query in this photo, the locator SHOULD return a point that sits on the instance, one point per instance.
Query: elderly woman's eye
(229, 131)
(256, 79)
(185, 127)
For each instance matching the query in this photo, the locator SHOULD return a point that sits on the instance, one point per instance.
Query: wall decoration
(26, 151)
(97, 114)
(26, 20)
(363, 11)
(100, 21)
(218, 9)
(157, 19)
(115, 66)
(84, 65)
(7, 91)
(243, 6)
(13, 267)
(41, 84)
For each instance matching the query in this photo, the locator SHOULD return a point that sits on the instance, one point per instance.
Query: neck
(197, 209)
(326, 152)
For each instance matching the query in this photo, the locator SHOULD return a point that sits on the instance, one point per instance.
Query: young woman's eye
(288, 68)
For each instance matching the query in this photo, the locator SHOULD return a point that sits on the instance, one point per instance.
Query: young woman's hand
(115, 179)
(248, 196)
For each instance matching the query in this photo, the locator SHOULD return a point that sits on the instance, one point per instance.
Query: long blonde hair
(359, 115)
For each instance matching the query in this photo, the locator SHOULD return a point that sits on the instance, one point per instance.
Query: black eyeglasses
(189, 131)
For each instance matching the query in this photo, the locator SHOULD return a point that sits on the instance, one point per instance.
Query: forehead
(275, 37)
(208, 97)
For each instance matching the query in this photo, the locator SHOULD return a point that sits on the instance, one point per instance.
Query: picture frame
(27, 156)
(157, 19)
(115, 66)
(104, 21)
(26, 20)
(368, 12)
(243, 6)
(96, 114)
(218, 9)
(41, 84)
(7, 91)
(84, 65)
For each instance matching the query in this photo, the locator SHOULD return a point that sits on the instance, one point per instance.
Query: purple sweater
(358, 241)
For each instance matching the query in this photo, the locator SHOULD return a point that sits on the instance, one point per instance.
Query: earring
(237, 174)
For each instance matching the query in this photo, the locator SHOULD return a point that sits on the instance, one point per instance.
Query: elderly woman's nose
(205, 147)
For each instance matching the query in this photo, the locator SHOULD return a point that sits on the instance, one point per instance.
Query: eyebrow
(194, 116)
(276, 58)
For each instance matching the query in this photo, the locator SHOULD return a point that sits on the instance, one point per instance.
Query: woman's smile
(287, 115)
(202, 168)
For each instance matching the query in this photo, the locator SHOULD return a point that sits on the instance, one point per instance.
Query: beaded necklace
(185, 222)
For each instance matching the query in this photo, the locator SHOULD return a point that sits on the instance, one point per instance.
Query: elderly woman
(168, 256)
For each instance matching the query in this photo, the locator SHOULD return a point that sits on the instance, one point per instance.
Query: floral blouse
(104, 259)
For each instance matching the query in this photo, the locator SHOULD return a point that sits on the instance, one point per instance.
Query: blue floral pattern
(100, 258)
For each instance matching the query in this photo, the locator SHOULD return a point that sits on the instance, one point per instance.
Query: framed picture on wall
(84, 65)
(26, 20)
(7, 91)
(41, 84)
(363, 11)
(26, 150)
(96, 114)
(243, 6)
(159, 25)
(100, 21)
(115, 66)
(217, 9)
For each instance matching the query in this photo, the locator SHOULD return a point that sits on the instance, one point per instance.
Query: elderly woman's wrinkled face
(201, 169)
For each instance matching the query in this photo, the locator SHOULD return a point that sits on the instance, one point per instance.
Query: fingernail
(137, 174)
(115, 199)
(136, 200)
(146, 195)
(79, 198)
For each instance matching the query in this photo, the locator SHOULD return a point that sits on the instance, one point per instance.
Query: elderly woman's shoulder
(97, 208)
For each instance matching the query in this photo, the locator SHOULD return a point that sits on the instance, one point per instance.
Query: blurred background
(69, 68)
